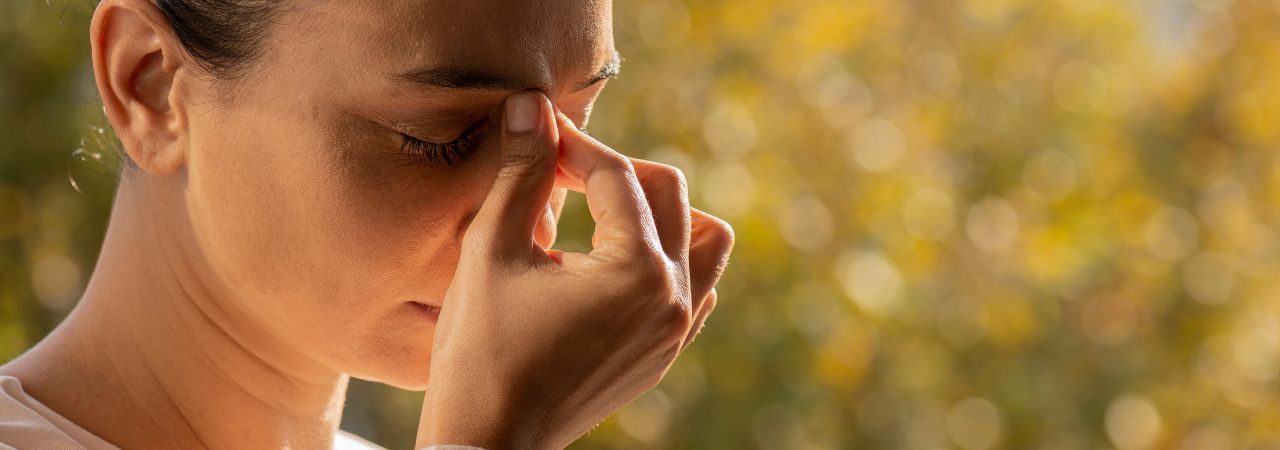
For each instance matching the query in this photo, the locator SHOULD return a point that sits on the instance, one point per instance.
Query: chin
(409, 375)
(400, 359)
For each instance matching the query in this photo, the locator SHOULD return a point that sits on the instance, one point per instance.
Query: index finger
(614, 196)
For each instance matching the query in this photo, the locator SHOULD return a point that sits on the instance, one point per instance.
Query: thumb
(525, 178)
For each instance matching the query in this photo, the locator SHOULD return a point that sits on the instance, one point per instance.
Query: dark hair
(222, 36)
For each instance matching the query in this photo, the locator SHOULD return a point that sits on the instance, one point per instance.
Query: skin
(273, 239)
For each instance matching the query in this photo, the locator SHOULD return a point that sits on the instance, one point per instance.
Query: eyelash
(449, 153)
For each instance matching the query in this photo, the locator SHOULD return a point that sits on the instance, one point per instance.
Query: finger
(668, 194)
(615, 199)
(712, 241)
(525, 178)
(545, 232)
(557, 203)
(700, 318)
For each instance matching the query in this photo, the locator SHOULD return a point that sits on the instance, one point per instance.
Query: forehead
(538, 40)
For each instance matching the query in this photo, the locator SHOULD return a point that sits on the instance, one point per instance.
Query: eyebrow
(453, 77)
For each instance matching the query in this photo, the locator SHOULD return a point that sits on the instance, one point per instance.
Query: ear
(137, 61)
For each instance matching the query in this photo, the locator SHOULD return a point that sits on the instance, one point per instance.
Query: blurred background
(980, 224)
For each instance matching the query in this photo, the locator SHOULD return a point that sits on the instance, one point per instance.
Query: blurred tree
(981, 224)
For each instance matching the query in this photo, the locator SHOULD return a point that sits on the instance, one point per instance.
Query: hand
(534, 347)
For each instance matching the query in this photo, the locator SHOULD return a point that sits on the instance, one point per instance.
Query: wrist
(471, 416)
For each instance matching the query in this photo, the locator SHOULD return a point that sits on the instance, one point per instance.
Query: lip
(430, 312)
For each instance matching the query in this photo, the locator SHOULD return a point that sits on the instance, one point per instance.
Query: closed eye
(449, 153)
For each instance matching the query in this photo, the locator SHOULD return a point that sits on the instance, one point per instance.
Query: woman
(319, 190)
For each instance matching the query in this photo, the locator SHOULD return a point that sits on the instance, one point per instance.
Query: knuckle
(709, 304)
(615, 161)
(679, 317)
(721, 234)
(678, 320)
(649, 274)
(670, 176)
(654, 276)
(612, 161)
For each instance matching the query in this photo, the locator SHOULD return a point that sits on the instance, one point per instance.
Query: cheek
(406, 218)
(336, 216)
(250, 195)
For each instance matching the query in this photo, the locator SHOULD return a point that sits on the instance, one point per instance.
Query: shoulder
(27, 423)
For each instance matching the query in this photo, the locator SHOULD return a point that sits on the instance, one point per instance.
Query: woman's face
(310, 204)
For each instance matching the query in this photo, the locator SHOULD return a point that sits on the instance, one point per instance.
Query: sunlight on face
(330, 187)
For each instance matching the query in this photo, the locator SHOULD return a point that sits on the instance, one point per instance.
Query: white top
(27, 423)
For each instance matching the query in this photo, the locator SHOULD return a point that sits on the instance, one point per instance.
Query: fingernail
(522, 112)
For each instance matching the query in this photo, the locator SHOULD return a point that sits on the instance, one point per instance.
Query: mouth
(430, 312)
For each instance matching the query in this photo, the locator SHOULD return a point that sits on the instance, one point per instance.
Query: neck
(172, 360)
